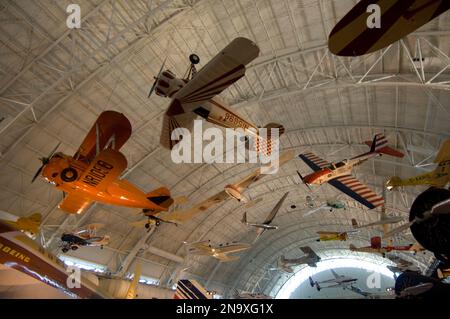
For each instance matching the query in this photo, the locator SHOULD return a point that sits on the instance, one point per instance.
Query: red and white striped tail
(380, 141)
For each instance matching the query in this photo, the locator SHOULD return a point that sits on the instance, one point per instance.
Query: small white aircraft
(311, 259)
(220, 251)
(230, 191)
(338, 281)
(266, 224)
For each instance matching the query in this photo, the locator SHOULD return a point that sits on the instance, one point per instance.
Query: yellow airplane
(30, 224)
(439, 177)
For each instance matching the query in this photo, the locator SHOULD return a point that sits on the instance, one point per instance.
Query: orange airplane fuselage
(72, 177)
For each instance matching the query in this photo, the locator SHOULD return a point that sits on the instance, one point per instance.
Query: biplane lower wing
(358, 191)
(75, 204)
(313, 161)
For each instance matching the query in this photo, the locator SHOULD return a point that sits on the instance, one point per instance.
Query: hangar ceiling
(55, 81)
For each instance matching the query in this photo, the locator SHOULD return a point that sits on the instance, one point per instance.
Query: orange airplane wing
(104, 169)
(111, 130)
(75, 203)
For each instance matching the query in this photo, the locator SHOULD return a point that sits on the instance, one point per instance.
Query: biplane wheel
(69, 174)
(158, 223)
(147, 225)
(65, 250)
(74, 247)
(194, 58)
(101, 247)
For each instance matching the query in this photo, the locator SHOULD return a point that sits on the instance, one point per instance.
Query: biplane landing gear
(101, 247)
(194, 58)
(65, 250)
(69, 174)
(74, 247)
(147, 226)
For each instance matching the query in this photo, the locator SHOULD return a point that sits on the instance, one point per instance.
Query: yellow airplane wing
(444, 152)
(184, 215)
(131, 293)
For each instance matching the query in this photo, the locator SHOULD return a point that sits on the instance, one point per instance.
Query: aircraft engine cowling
(167, 84)
(232, 191)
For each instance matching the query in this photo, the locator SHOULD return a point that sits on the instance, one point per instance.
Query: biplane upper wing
(184, 215)
(224, 69)
(313, 161)
(112, 129)
(358, 191)
(74, 203)
(353, 36)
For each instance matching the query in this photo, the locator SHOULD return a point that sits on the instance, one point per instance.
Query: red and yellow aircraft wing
(353, 37)
(224, 69)
(358, 191)
(111, 130)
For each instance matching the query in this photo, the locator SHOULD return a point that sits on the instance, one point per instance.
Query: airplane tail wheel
(194, 58)
(69, 174)
(147, 225)
(158, 223)
(101, 247)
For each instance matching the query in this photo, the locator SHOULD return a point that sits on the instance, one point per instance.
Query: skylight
(378, 266)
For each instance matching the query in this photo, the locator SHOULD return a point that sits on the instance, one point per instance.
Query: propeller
(301, 178)
(45, 161)
(156, 78)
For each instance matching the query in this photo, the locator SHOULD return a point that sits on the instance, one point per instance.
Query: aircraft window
(168, 74)
(163, 83)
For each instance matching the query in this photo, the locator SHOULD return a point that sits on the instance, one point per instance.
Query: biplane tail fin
(161, 197)
(379, 145)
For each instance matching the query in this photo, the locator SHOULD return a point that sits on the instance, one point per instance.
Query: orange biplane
(93, 173)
